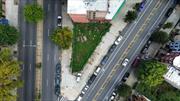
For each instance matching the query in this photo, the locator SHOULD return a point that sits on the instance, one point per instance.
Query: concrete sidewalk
(69, 87)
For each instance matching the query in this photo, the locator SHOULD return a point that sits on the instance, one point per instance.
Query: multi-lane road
(52, 9)
(135, 36)
(27, 54)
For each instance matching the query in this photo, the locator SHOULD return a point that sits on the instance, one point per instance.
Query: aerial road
(52, 9)
(27, 54)
(135, 36)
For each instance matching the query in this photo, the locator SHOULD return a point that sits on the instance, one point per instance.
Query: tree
(151, 73)
(124, 90)
(160, 37)
(33, 12)
(168, 25)
(130, 16)
(9, 76)
(136, 6)
(8, 35)
(62, 37)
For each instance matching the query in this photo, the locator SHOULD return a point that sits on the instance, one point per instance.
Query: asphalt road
(27, 53)
(52, 9)
(135, 36)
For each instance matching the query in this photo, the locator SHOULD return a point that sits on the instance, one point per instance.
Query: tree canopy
(33, 12)
(130, 16)
(124, 90)
(160, 37)
(8, 35)
(136, 6)
(62, 37)
(151, 72)
(168, 25)
(9, 76)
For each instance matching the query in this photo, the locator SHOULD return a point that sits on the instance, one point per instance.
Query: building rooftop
(173, 77)
(81, 6)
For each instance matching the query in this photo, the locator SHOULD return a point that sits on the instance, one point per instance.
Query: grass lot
(86, 37)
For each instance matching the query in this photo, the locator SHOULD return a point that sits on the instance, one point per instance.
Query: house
(175, 46)
(84, 11)
(173, 77)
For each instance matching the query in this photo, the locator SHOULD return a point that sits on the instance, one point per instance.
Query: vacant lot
(85, 39)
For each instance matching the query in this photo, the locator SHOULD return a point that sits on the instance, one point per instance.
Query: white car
(112, 96)
(78, 77)
(97, 70)
(59, 19)
(86, 87)
(118, 40)
(79, 98)
(125, 62)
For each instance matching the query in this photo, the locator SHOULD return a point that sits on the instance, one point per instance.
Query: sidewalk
(69, 87)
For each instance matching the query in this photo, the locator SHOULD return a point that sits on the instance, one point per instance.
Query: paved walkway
(69, 87)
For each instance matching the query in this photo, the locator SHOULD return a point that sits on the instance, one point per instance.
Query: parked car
(112, 96)
(125, 62)
(169, 12)
(104, 60)
(91, 79)
(79, 98)
(141, 7)
(59, 21)
(57, 90)
(97, 70)
(57, 80)
(58, 68)
(112, 48)
(125, 77)
(78, 77)
(118, 40)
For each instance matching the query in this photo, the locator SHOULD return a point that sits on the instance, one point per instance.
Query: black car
(170, 10)
(59, 21)
(104, 60)
(125, 77)
(92, 78)
(58, 68)
(112, 48)
(57, 80)
(57, 90)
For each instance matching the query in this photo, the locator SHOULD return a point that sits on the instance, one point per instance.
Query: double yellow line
(158, 4)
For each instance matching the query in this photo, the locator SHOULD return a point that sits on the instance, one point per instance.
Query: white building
(173, 77)
(93, 10)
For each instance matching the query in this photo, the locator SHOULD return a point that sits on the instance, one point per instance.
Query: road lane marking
(141, 43)
(48, 32)
(130, 29)
(142, 27)
(30, 67)
(30, 42)
(47, 82)
(48, 7)
(47, 57)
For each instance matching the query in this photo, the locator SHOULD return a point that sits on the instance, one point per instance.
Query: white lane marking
(48, 57)
(23, 67)
(130, 29)
(48, 7)
(47, 82)
(48, 32)
(30, 67)
(23, 43)
(139, 45)
(30, 42)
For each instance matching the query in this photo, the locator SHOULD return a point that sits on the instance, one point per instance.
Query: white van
(97, 70)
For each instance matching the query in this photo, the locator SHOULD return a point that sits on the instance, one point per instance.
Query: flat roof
(81, 6)
(173, 77)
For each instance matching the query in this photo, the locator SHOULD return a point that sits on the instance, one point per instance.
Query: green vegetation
(8, 35)
(151, 72)
(168, 25)
(86, 37)
(9, 76)
(136, 6)
(1, 11)
(62, 37)
(130, 16)
(124, 90)
(160, 37)
(33, 12)
(151, 82)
